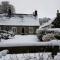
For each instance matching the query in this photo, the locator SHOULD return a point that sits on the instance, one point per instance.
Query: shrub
(48, 37)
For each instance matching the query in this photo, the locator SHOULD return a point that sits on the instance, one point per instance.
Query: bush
(4, 36)
(48, 37)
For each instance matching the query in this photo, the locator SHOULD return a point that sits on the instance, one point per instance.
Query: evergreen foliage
(56, 22)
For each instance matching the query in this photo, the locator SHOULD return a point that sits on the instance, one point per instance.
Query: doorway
(22, 31)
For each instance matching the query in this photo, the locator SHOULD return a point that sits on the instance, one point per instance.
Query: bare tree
(5, 5)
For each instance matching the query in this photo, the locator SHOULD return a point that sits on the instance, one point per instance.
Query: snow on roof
(50, 29)
(19, 20)
(47, 23)
(27, 40)
(54, 29)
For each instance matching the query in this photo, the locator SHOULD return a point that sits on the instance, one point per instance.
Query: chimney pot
(35, 13)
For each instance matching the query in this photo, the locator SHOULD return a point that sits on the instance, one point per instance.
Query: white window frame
(14, 29)
(31, 30)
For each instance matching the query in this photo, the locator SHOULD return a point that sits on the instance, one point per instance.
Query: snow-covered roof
(49, 29)
(19, 20)
(47, 23)
(54, 29)
(27, 40)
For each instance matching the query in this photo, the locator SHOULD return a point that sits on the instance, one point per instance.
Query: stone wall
(20, 30)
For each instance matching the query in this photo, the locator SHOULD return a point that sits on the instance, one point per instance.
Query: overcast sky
(45, 8)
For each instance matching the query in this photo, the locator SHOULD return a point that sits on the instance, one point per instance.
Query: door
(23, 31)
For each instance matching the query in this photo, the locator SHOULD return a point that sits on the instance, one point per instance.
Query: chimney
(9, 12)
(35, 13)
(58, 13)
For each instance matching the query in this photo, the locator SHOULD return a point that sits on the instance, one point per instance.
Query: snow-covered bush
(4, 36)
(11, 33)
(40, 34)
(48, 37)
(48, 34)
(4, 52)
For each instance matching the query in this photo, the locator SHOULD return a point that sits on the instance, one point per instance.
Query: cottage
(20, 23)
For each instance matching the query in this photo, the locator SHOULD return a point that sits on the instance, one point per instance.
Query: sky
(45, 8)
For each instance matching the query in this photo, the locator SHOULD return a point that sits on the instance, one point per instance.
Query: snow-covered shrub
(48, 34)
(4, 52)
(48, 37)
(40, 34)
(11, 33)
(4, 36)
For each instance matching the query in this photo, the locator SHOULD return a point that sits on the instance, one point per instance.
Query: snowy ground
(27, 56)
(31, 56)
(27, 40)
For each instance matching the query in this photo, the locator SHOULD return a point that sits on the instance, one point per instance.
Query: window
(7, 28)
(14, 30)
(31, 30)
(2, 27)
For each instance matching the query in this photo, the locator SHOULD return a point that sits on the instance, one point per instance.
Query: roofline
(18, 14)
(21, 25)
(21, 14)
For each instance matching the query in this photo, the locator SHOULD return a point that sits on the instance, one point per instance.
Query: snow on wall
(27, 40)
